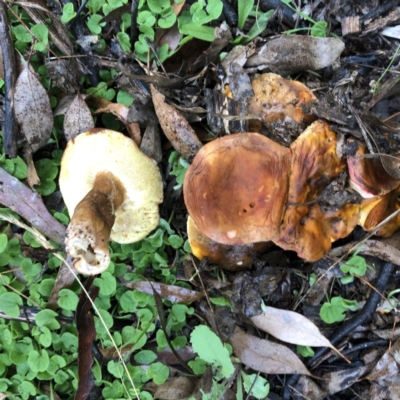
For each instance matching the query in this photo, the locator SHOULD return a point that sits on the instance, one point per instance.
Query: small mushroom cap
(276, 98)
(236, 188)
(231, 258)
(368, 176)
(103, 150)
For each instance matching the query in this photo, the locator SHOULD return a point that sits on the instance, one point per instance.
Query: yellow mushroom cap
(103, 150)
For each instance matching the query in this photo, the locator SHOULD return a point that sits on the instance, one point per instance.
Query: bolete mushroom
(245, 188)
(236, 188)
(112, 191)
(231, 258)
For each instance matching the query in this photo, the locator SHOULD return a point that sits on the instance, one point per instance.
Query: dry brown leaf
(32, 178)
(290, 327)
(386, 370)
(78, 118)
(295, 53)
(176, 128)
(334, 382)
(265, 356)
(151, 142)
(175, 389)
(176, 294)
(32, 109)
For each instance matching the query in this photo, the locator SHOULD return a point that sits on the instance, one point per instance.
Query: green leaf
(94, 24)
(205, 33)
(319, 29)
(124, 98)
(175, 241)
(41, 32)
(47, 318)
(127, 302)
(221, 301)
(244, 8)
(158, 372)
(9, 304)
(68, 13)
(125, 41)
(38, 361)
(210, 348)
(108, 320)
(333, 311)
(27, 389)
(167, 19)
(355, 265)
(146, 18)
(107, 284)
(3, 242)
(116, 369)
(68, 300)
(69, 341)
(305, 351)
(145, 357)
(20, 168)
(22, 34)
(258, 385)
(258, 27)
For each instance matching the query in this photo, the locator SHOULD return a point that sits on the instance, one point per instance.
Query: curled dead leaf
(176, 128)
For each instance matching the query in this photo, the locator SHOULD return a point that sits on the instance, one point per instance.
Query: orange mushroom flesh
(236, 188)
(306, 228)
(368, 176)
(231, 258)
(278, 99)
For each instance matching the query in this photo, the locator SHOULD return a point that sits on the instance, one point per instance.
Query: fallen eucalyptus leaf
(176, 294)
(78, 118)
(32, 109)
(176, 128)
(290, 327)
(265, 356)
(29, 205)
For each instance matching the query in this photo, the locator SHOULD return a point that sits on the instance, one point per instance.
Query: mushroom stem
(90, 227)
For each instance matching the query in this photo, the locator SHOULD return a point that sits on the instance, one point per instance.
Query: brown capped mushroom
(231, 258)
(112, 191)
(236, 188)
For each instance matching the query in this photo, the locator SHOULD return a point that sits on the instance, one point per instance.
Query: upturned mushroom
(112, 191)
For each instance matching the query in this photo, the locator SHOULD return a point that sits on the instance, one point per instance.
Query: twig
(10, 128)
